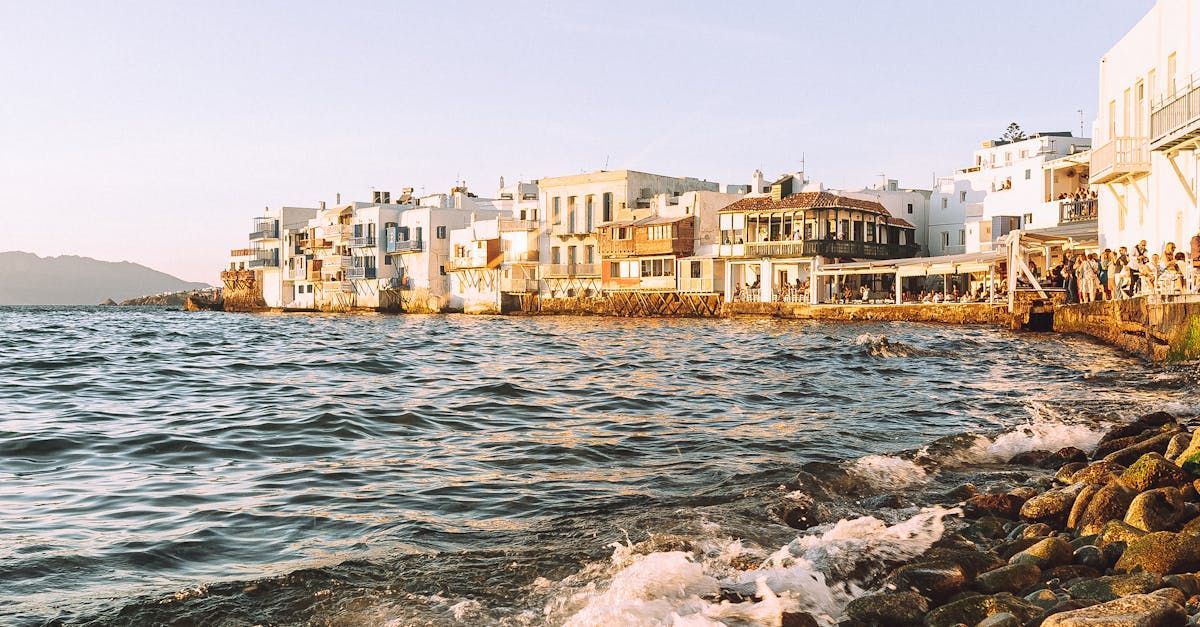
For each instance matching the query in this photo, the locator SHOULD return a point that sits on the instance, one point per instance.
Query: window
(387, 260)
(442, 270)
(570, 214)
(945, 203)
(555, 208)
(589, 218)
(614, 269)
(1171, 75)
(910, 207)
(1008, 158)
(441, 232)
(962, 197)
(697, 271)
(665, 231)
(589, 254)
(606, 207)
(962, 237)
(1029, 218)
(945, 238)
(556, 255)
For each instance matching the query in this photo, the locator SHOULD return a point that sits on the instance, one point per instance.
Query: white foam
(889, 473)
(811, 573)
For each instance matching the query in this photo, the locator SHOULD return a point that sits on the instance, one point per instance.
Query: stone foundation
(1158, 331)
(964, 313)
(243, 291)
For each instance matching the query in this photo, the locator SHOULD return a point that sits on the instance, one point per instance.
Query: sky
(153, 131)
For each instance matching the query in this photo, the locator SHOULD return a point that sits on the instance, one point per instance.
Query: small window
(387, 260)
(962, 237)
(946, 238)
(441, 232)
(962, 197)
(945, 203)
(910, 207)
(1028, 174)
(442, 270)
(696, 270)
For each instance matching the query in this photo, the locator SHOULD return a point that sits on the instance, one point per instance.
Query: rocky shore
(1107, 538)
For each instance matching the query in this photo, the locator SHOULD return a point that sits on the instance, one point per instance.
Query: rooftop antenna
(1081, 123)
(606, 162)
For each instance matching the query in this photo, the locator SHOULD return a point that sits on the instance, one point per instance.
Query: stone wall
(966, 313)
(243, 291)
(1158, 331)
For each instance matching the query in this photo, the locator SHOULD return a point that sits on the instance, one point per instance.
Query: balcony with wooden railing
(1071, 211)
(361, 272)
(519, 286)
(560, 270)
(510, 225)
(1176, 120)
(365, 241)
(1120, 158)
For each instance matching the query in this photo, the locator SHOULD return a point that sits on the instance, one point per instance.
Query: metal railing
(1120, 157)
(1177, 119)
(404, 246)
(1077, 210)
(268, 229)
(367, 241)
(394, 283)
(264, 259)
(361, 272)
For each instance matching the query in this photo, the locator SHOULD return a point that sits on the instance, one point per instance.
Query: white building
(909, 204)
(1144, 167)
(494, 261)
(270, 255)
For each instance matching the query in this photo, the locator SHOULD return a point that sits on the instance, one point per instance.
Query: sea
(166, 467)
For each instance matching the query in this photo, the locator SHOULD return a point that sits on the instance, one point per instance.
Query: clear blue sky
(153, 131)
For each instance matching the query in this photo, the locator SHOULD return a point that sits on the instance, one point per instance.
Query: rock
(1081, 503)
(1069, 573)
(1108, 504)
(1028, 458)
(936, 579)
(1160, 509)
(1098, 472)
(1047, 553)
(1051, 506)
(1171, 594)
(1115, 586)
(1152, 470)
(1044, 598)
(884, 501)
(1192, 448)
(962, 492)
(1003, 619)
(1067, 471)
(1090, 556)
(1065, 606)
(1130, 454)
(1191, 527)
(972, 610)
(1012, 578)
(798, 619)
(972, 561)
(1066, 455)
(798, 510)
(1139, 610)
(1177, 446)
(1112, 446)
(1161, 552)
(1117, 532)
(1037, 530)
(1084, 541)
(1026, 492)
(1139, 426)
(986, 528)
(1187, 583)
(1001, 505)
(1008, 549)
(889, 608)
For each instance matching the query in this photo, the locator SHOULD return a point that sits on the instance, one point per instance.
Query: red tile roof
(806, 200)
(900, 222)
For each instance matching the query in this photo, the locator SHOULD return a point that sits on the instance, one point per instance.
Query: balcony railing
(265, 229)
(529, 256)
(264, 259)
(361, 272)
(334, 231)
(241, 252)
(404, 246)
(462, 263)
(1077, 210)
(519, 286)
(362, 242)
(572, 269)
(696, 286)
(566, 230)
(1122, 157)
(513, 224)
(1177, 120)
(394, 283)
(830, 248)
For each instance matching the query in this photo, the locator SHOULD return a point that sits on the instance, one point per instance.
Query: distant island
(27, 279)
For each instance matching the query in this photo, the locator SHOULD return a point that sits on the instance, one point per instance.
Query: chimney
(757, 183)
(338, 199)
(322, 205)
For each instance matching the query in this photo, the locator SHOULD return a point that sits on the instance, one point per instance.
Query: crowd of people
(1115, 275)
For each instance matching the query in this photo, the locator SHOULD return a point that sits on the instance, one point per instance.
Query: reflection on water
(397, 467)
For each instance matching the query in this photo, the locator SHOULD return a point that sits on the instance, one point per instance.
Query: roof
(806, 200)
(648, 221)
(921, 266)
(899, 222)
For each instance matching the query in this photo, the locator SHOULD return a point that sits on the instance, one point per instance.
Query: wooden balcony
(1070, 211)
(559, 270)
(1121, 158)
(362, 242)
(837, 248)
(360, 273)
(519, 286)
(510, 225)
(1177, 121)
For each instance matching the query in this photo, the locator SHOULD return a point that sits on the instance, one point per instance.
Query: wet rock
(1066, 455)
(1177, 446)
(973, 562)
(986, 528)
(1090, 556)
(1003, 619)
(1044, 598)
(934, 579)
(1083, 541)
(798, 510)
(1192, 448)
(972, 610)
(962, 492)
(1065, 606)
(1037, 530)
(999, 505)
(1188, 584)
(1029, 458)
(1047, 553)
(1008, 549)
(1144, 423)
(1139, 610)
(1012, 578)
(1161, 552)
(1171, 594)
(1160, 509)
(1067, 471)
(1117, 532)
(889, 608)
(1131, 454)
(1069, 573)
(884, 501)
(1051, 506)
(1115, 586)
(1081, 503)
(1112, 446)
(798, 619)
(1152, 470)
(1110, 503)
(1100, 472)
(1191, 527)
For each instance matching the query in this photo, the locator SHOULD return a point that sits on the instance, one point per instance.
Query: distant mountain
(27, 279)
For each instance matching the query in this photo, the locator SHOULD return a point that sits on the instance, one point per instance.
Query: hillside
(27, 279)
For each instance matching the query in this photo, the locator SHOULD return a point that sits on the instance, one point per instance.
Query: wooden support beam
(1182, 179)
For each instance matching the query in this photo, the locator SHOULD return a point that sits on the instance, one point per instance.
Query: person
(1106, 260)
(1194, 244)
(1170, 282)
(1121, 279)
(866, 293)
(1089, 277)
(1069, 279)
(1140, 249)
(1168, 252)
(1149, 277)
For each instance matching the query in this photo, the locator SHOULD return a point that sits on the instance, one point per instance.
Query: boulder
(1098, 472)
(1152, 470)
(1003, 619)
(1037, 530)
(798, 619)
(1136, 427)
(972, 561)
(1000, 505)
(1112, 446)
(1132, 453)
(973, 610)
(1171, 594)
(986, 528)
(1064, 473)
(1139, 610)
(1192, 527)
(1188, 584)
(1052, 506)
(1065, 606)
(1192, 448)
(1012, 578)
(1047, 553)
(1081, 502)
(1069, 573)
(889, 608)
(1109, 503)
(798, 510)
(1090, 556)
(1160, 509)
(1029, 458)
(1008, 549)
(1066, 455)
(1045, 598)
(1161, 552)
(1115, 586)
(1177, 445)
(936, 579)
(1117, 532)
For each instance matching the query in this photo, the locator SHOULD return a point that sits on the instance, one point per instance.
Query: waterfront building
(908, 204)
(270, 254)
(771, 243)
(572, 207)
(1144, 167)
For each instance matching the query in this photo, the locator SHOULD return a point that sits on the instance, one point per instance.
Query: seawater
(202, 468)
